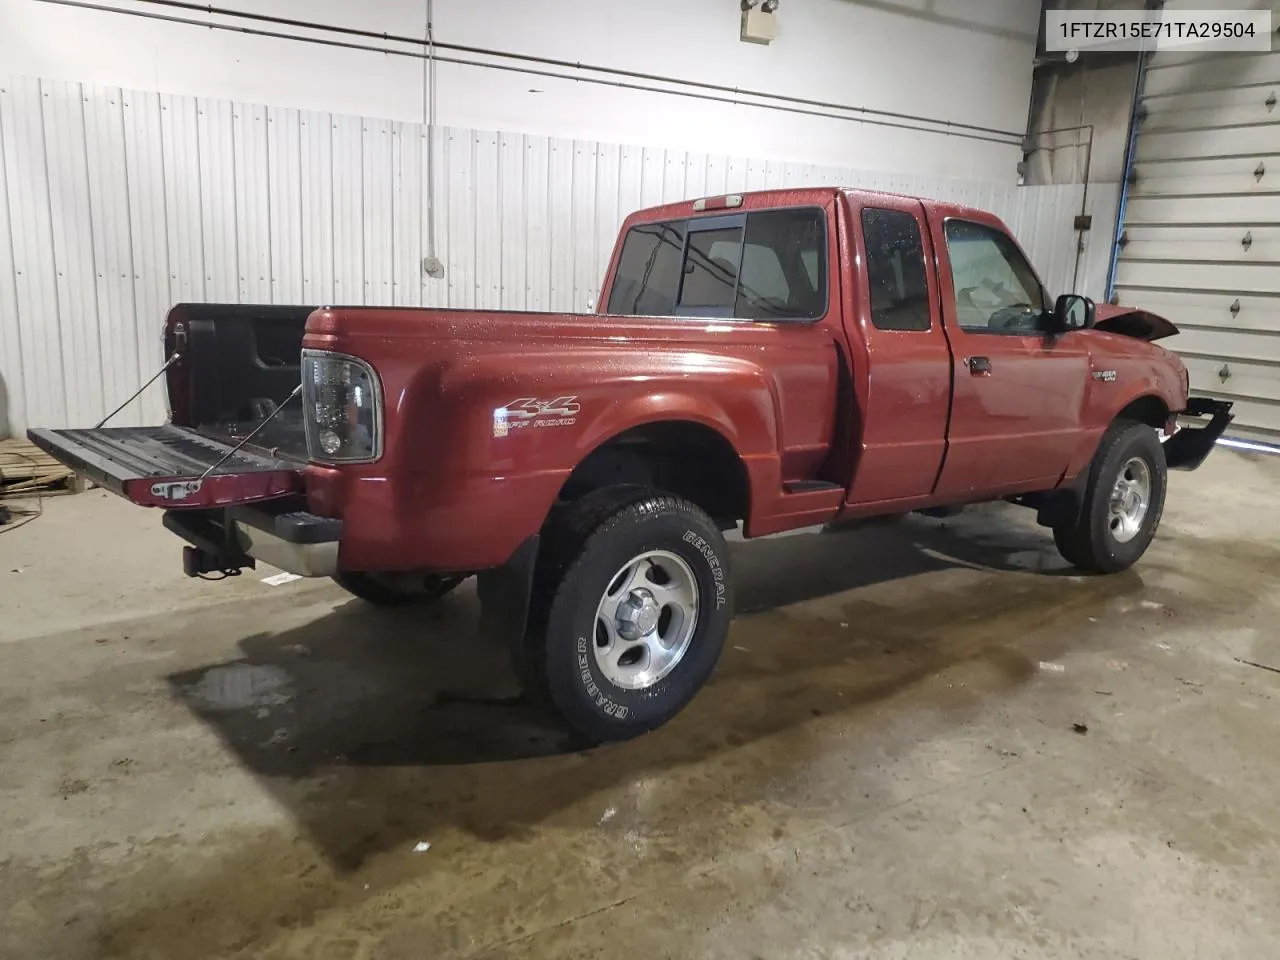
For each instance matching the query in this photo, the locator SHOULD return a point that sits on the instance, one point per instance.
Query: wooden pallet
(27, 471)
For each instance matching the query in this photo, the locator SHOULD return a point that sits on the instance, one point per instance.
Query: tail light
(342, 404)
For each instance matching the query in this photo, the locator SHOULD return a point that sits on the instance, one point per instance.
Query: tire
(607, 552)
(382, 590)
(1104, 540)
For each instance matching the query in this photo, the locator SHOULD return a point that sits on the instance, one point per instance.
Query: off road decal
(610, 708)
(524, 412)
(717, 571)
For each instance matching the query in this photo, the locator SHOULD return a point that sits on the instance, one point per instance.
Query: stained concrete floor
(886, 763)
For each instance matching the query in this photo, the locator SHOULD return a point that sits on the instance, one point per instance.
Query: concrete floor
(884, 764)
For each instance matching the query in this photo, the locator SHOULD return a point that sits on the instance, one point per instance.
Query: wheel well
(1150, 410)
(688, 459)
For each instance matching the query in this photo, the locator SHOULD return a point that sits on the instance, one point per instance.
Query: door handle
(979, 366)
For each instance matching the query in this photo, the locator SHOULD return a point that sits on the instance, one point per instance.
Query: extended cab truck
(777, 359)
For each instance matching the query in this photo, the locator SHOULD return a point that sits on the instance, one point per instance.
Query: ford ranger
(773, 360)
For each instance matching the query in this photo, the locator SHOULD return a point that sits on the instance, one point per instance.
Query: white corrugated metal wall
(117, 204)
(1201, 243)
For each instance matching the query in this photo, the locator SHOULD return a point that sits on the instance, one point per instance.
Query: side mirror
(1071, 311)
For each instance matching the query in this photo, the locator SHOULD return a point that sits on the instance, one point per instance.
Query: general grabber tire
(1123, 501)
(632, 603)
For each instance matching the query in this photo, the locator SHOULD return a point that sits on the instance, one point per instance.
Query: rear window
(770, 265)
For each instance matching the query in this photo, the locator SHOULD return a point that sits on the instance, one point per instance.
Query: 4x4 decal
(524, 411)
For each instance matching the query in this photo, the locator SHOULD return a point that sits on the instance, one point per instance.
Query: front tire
(632, 605)
(1123, 502)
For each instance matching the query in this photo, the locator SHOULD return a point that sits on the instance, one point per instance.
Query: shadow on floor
(377, 726)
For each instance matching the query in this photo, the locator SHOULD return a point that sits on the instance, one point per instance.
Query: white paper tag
(280, 578)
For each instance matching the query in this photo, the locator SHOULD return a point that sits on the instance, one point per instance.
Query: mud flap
(504, 594)
(1189, 447)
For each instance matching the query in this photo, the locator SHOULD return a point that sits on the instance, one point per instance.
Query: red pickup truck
(776, 359)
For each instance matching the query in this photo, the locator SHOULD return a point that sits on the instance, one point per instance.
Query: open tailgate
(165, 466)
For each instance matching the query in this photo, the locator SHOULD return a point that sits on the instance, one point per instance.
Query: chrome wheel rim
(646, 619)
(1130, 500)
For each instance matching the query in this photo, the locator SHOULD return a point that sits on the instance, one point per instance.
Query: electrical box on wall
(759, 23)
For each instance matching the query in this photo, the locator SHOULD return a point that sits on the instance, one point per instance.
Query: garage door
(1201, 237)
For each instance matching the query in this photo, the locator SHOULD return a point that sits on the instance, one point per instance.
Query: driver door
(1019, 391)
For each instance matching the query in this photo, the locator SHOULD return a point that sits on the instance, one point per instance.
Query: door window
(996, 291)
(896, 281)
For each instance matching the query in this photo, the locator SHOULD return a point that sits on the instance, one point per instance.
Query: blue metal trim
(1129, 151)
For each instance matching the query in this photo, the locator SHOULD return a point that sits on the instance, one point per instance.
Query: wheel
(395, 589)
(1123, 501)
(631, 607)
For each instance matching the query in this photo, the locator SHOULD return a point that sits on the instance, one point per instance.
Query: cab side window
(648, 271)
(896, 280)
(996, 291)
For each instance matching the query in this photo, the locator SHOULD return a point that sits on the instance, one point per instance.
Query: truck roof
(798, 196)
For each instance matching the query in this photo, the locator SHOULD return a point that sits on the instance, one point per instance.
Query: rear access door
(170, 466)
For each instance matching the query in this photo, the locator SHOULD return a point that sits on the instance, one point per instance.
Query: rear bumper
(1187, 448)
(294, 540)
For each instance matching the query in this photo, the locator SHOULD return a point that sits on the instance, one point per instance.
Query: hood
(1132, 322)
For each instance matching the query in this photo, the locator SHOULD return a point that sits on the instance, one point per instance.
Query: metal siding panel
(717, 184)
(459, 271)
(435, 193)
(284, 188)
(72, 222)
(145, 181)
(34, 266)
(315, 165)
(673, 177)
(348, 210)
(651, 176)
(107, 115)
(630, 181)
(735, 175)
(538, 211)
(13, 387)
(695, 176)
(253, 219)
(408, 210)
(377, 236)
(514, 235)
(560, 177)
(218, 200)
(608, 219)
(183, 198)
(488, 253)
(585, 270)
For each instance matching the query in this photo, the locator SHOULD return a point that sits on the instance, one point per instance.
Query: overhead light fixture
(759, 21)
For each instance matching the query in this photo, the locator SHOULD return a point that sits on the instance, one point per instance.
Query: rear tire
(632, 603)
(1123, 501)
(397, 590)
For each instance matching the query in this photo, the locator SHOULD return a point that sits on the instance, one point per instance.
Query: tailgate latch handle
(176, 490)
